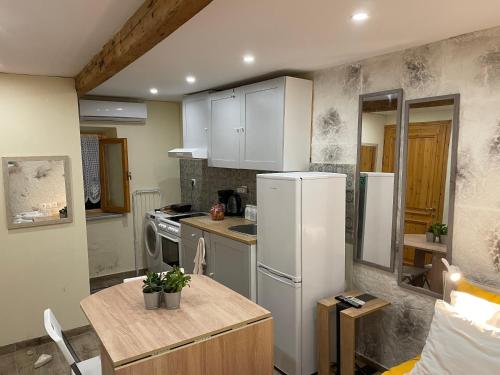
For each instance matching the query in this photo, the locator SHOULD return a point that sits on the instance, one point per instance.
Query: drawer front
(189, 233)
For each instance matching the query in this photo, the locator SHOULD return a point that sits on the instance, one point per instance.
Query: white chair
(134, 279)
(90, 366)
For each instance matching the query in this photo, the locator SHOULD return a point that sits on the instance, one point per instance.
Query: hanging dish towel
(199, 259)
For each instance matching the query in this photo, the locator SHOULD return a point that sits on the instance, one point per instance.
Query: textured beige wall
(111, 241)
(469, 65)
(43, 266)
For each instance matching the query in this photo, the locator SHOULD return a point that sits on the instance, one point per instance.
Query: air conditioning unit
(101, 110)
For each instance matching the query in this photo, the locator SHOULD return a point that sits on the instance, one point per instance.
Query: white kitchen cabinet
(234, 265)
(224, 130)
(195, 122)
(273, 129)
(229, 262)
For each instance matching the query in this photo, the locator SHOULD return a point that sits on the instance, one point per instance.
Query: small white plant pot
(152, 300)
(172, 300)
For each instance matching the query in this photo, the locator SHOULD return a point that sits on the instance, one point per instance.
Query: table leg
(347, 344)
(323, 326)
(436, 273)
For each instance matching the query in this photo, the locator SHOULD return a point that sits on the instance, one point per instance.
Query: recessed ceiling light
(249, 59)
(119, 109)
(360, 16)
(190, 79)
(153, 90)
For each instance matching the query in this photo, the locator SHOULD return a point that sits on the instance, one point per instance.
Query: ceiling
(57, 37)
(290, 35)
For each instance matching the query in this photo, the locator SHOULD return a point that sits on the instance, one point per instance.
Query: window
(105, 174)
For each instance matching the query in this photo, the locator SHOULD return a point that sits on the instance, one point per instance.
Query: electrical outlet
(242, 189)
(193, 182)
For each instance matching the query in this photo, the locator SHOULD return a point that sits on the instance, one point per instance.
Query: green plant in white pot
(173, 283)
(151, 289)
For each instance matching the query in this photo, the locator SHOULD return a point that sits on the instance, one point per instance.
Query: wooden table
(347, 331)
(439, 251)
(215, 331)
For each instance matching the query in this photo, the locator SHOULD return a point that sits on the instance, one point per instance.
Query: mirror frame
(453, 174)
(67, 179)
(399, 93)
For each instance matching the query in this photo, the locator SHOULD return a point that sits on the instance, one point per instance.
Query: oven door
(170, 250)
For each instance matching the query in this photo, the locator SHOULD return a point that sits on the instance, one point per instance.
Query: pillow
(468, 287)
(477, 309)
(457, 345)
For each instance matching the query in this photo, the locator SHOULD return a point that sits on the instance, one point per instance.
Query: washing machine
(152, 244)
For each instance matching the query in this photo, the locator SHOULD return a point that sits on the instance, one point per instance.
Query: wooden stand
(347, 331)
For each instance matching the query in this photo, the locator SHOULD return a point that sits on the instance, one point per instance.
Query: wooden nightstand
(347, 330)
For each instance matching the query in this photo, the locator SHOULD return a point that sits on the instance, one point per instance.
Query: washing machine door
(152, 245)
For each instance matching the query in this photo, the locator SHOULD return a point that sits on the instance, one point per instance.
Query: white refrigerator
(300, 257)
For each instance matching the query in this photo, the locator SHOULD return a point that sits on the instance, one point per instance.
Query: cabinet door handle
(193, 235)
(242, 130)
(237, 130)
(206, 129)
(211, 274)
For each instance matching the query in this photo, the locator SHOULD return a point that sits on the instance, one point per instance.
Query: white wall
(111, 241)
(47, 266)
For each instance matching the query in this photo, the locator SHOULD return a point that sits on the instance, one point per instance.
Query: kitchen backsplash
(209, 180)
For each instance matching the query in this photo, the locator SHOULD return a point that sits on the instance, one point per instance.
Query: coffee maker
(231, 202)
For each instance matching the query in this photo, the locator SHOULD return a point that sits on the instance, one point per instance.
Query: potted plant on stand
(151, 290)
(173, 283)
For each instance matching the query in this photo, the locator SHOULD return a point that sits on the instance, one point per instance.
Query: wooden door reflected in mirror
(431, 129)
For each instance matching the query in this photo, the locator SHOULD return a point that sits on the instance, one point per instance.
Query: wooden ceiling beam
(148, 26)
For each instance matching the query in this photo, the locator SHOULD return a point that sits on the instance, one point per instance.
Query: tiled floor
(21, 361)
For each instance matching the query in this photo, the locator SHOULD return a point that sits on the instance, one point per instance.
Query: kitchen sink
(250, 229)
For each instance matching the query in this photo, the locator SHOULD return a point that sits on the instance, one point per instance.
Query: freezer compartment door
(279, 228)
(282, 297)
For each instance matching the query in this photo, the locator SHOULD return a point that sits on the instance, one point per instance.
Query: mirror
(430, 153)
(37, 191)
(379, 123)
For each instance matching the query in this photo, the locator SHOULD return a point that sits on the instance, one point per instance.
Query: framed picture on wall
(37, 191)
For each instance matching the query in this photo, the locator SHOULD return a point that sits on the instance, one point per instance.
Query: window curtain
(91, 172)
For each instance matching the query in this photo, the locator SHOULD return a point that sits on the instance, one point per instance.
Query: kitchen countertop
(221, 227)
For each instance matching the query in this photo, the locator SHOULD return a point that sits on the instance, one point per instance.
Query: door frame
(453, 172)
(399, 94)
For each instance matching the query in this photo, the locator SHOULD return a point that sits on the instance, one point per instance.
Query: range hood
(188, 153)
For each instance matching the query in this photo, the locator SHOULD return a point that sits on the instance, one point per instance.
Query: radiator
(142, 201)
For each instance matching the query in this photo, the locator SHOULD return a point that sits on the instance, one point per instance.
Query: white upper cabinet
(276, 124)
(196, 120)
(262, 114)
(262, 126)
(224, 130)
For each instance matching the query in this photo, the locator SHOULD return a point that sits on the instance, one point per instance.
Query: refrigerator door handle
(273, 276)
(294, 279)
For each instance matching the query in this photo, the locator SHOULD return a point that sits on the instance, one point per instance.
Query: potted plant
(429, 235)
(151, 289)
(443, 234)
(173, 283)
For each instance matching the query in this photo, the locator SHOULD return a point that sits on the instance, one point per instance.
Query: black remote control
(348, 301)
